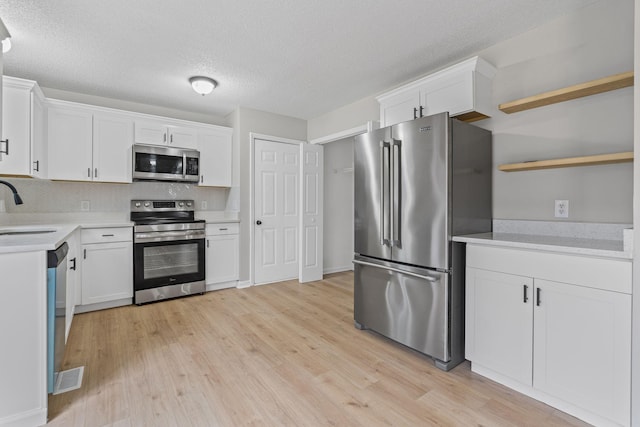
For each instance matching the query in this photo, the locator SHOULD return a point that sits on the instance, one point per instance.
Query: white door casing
(276, 209)
(311, 217)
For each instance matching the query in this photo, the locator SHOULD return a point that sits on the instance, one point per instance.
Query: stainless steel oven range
(168, 250)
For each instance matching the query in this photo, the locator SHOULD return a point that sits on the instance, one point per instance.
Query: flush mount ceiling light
(5, 37)
(202, 85)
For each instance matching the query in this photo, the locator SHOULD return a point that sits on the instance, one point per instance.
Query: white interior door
(276, 215)
(311, 218)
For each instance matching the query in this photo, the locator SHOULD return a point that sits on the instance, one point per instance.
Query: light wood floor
(278, 355)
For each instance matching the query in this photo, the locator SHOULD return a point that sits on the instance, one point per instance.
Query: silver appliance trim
(181, 226)
(168, 236)
(396, 270)
(170, 291)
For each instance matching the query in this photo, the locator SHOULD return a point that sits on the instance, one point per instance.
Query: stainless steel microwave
(156, 163)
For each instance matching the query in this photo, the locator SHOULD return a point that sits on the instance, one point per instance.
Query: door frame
(252, 214)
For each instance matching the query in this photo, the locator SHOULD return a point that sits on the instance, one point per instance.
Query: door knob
(259, 222)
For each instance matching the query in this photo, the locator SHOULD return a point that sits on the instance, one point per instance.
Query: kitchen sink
(21, 232)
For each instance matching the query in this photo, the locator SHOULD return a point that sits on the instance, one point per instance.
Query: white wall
(42, 196)
(347, 117)
(133, 106)
(593, 42)
(248, 121)
(338, 205)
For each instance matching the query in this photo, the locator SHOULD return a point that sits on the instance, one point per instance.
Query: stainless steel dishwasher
(56, 311)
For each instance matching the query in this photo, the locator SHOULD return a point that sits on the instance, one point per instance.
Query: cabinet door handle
(73, 267)
(525, 288)
(201, 179)
(85, 254)
(415, 113)
(538, 297)
(164, 137)
(421, 110)
(171, 139)
(88, 172)
(107, 235)
(95, 173)
(36, 166)
(223, 229)
(207, 242)
(6, 146)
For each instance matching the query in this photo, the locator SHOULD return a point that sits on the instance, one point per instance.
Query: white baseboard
(222, 285)
(103, 305)
(244, 284)
(34, 417)
(338, 269)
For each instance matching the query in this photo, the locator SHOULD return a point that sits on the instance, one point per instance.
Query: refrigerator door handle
(395, 193)
(384, 241)
(396, 270)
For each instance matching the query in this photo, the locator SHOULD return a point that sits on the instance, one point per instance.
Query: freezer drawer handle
(397, 270)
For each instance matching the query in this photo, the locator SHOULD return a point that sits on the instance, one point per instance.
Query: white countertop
(11, 243)
(571, 245)
(64, 223)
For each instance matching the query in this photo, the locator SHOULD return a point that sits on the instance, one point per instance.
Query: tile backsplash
(41, 196)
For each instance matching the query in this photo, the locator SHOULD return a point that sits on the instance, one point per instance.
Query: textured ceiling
(300, 58)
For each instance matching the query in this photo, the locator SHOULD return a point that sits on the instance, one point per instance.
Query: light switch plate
(85, 206)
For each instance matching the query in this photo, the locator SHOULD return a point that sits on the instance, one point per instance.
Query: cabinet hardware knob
(107, 235)
(73, 267)
(421, 111)
(88, 172)
(36, 166)
(6, 146)
(164, 137)
(526, 288)
(95, 174)
(538, 297)
(85, 254)
(415, 113)
(259, 222)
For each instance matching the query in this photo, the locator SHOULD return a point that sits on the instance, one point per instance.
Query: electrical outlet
(85, 206)
(203, 205)
(562, 209)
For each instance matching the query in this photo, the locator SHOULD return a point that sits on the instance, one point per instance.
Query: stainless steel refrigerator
(417, 184)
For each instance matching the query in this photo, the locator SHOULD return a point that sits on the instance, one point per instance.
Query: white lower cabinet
(567, 344)
(222, 260)
(107, 266)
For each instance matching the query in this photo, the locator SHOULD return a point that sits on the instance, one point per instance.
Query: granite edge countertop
(569, 245)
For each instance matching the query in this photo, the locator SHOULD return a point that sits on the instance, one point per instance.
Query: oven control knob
(137, 204)
(181, 204)
(189, 204)
(147, 204)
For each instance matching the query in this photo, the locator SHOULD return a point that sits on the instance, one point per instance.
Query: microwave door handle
(184, 165)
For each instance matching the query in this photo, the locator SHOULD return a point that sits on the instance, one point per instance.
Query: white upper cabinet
(215, 146)
(88, 145)
(112, 139)
(162, 133)
(22, 151)
(70, 133)
(464, 90)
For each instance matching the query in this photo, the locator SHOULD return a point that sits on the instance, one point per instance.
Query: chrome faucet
(16, 197)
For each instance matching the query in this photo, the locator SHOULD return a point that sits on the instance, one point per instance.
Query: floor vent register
(68, 380)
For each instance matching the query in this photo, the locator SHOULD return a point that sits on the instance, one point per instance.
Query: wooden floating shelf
(593, 87)
(600, 159)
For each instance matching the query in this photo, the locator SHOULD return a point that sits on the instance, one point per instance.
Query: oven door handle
(168, 236)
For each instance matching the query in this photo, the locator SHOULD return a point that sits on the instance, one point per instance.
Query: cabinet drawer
(107, 235)
(599, 273)
(221, 229)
